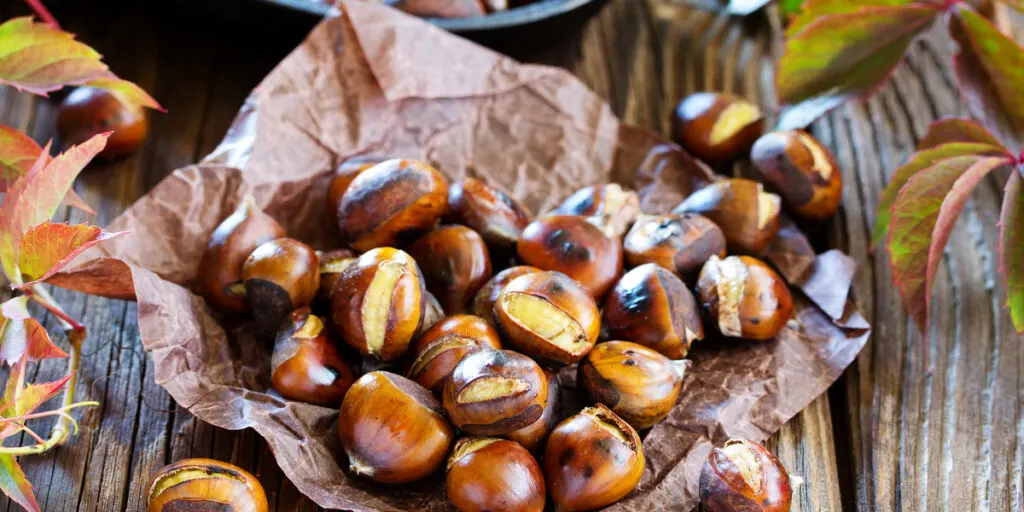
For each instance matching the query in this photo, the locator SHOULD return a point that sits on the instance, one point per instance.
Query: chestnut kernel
(533, 436)
(493, 392)
(653, 307)
(743, 476)
(392, 429)
(483, 303)
(574, 247)
(487, 473)
(455, 264)
(89, 111)
(305, 365)
(803, 171)
(748, 216)
(204, 484)
(494, 214)
(220, 272)
(378, 303)
(716, 128)
(332, 264)
(440, 349)
(548, 316)
(679, 242)
(635, 382)
(390, 201)
(592, 459)
(609, 207)
(744, 297)
(343, 176)
(280, 276)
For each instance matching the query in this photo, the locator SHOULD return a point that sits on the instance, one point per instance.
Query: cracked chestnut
(716, 128)
(744, 297)
(455, 265)
(743, 476)
(679, 242)
(748, 216)
(280, 276)
(490, 474)
(803, 172)
(440, 349)
(493, 392)
(571, 245)
(305, 364)
(332, 264)
(343, 176)
(483, 303)
(653, 307)
(533, 436)
(90, 111)
(494, 214)
(204, 484)
(635, 382)
(609, 207)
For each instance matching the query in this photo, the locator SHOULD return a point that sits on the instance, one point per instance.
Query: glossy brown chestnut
(533, 436)
(493, 392)
(744, 298)
(378, 303)
(455, 264)
(748, 216)
(609, 207)
(88, 111)
(494, 214)
(803, 171)
(483, 303)
(305, 365)
(635, 382)
(679, 242)
(441, 8)
(717, 128)
(432, 313)
(548, 316)
(220, 272)
(204, 484)
(332, 264)
(393, 429)
(743, 476)
(571, 245)
(653, 307)
(343, 176)
(280, 276)
(592, 460)
(391, 201)
(440, 349)
(491, 474)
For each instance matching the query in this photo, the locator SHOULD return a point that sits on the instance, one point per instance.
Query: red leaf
(28, 338)
(1011, 248)
(17, 154)
(14, 484)
(47, 248)
(811, 10)
(922, 218)
(955, 129)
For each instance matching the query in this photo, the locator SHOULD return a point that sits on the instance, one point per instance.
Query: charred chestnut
(609, 207)
(486, 473)
(440, 349)
(533, 436)
(748, 216)
(494, 214)
(280, 276)
(744, 477)
(574, 247)
(343, 176)
(305, 365)
(653, 307)
(455, 264)
(89, 111)
(679, 242)
(493, 392)
(332, 264)
(204, 484)
(716, 128)
(483, 303)
(804, 173)
(744, 298)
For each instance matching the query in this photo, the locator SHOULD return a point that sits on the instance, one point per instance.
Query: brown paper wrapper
(374, 81)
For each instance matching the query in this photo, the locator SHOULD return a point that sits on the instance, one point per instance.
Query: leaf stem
(43, 297)
(43, 13)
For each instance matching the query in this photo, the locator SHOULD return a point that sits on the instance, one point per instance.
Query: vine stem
(43, 13)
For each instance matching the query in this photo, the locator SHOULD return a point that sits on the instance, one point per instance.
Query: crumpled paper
(375, 81)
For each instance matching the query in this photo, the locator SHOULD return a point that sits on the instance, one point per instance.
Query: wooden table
(887, 436)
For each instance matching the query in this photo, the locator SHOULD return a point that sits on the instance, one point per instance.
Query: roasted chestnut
(635, 382)
(609, 207)
(804, 173)
(532, 436)
(548, 316)
(343, 176)
(491, 474)
(592, 459)
(332, 264)
(441, 8)
(455, 264)
(220, 272)
(280, 276)
(432, 313)
(204, 484)
(748, 216)
(744, 477)
(378, 303)
(494, 214)
(483, 303)
(679, 242)
(305, 365)
(653, 307)
(444, 345)
(493, 392)
(89, 111)
(717, 128)
(390, 201)
(574, 247)
(392, 429)
(744, 298)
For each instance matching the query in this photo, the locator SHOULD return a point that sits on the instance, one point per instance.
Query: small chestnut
(574, 247)
(744, 297)
(716, 128)
(533, 436)
(804, 173)
(653, 307)
(332, 264)
(548, 316)
(89, 111)
(204, 484)
(592, 459)
(635, 382)
(343, 176)
(493, 392)
(280, 276)
(220, 271)
(494, 214)
(455, 264)
(743, 476)
(483, 303)
(748, 216)
(491, 474)
(440, 349)
(378, 303)
(679, 242)
(305, 365)
(609, 207)
(392, 429)
(390, 201)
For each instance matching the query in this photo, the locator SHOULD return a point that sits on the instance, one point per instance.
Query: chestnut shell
(573, 246)
(653, 307)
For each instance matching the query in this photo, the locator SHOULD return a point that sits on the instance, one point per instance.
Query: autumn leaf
(923, 216)
(954, 129)
(14, 484)
(26, 401)
(47, 248)
(842, 57)
(17, 154)
(1011, 250)
(811, 10)
(24, 335)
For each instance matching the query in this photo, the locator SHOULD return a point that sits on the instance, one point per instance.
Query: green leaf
(954, 129)
(812, 10)
(791, 8)
(17, 154)
(1011, 247)
(14, 484)
(923, 217)
(843, 57)
(918, 162)
(990, 68)
(47, 248)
